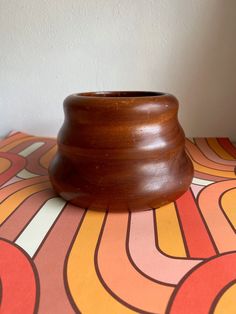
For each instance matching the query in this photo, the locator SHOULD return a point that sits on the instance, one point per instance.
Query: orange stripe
(228, 203)
(120, 275)
(221, 231)
(218, 173)
(226, 304)
(7, 140)
(170, 239)
(4, 164)
(197, 292)
(228, 146)
(11, 203)
(13, 144)
(14, 187)
(86, 289)
(214, 144)
(46, 158)
(199, 157)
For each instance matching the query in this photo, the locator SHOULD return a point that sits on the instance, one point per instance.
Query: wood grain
(121, 151)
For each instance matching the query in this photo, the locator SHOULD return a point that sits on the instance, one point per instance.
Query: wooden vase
(121, 151)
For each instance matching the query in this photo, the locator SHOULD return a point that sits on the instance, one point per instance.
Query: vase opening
(121, 94)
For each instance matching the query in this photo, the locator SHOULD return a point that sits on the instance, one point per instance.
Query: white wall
(49, 49)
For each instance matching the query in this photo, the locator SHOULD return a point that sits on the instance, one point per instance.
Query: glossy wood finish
(121, 150)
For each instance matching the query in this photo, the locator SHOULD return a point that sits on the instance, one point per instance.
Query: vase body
(121, 151)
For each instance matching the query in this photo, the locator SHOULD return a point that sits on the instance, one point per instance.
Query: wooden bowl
(121, 151)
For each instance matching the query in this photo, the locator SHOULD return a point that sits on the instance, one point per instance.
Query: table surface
(58, 258)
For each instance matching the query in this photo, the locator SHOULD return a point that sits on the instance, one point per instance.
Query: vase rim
(121, 94)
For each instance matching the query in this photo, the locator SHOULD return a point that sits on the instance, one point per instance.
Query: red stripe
(17, 164)
(198, 240)
(11, 227)
(198, 291)
(228, 146)
(53, 252)
(17, 279)
(32, 159)
(33, 164)
(16, 186)
(206, 176)
(9, 139)
(23, 145)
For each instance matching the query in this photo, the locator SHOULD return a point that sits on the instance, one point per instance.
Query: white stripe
(30, 149)
(25, 174)
(201, 181)
(191, 139)
(37, 229)
(12, 180)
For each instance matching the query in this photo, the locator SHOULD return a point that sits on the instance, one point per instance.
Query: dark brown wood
(121, 151)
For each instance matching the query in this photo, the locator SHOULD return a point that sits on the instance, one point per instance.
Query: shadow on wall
(201, 72)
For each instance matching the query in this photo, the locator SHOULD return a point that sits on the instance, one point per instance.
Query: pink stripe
(12, 180)
(148, 258)
(12, 138)
(206, 176)
(33, 164)
(220, 228)
(12, 133)
(228, 146)
(33, 160)
(12, 188)
(200, 158)
(21, 146)
(17, 164)
(205, 148)
(21, 216)
(50, 262)
(196, 189)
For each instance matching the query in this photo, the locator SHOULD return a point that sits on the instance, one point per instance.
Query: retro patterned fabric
(57, 258)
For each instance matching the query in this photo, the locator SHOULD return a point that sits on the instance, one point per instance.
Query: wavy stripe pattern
(83, 279)
(19, 282)
(58, 258)
(226, 303)
(38, 227)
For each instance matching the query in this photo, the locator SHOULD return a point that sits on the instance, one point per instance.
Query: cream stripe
(30, 149)
(191, 139)
(201, 181)
(25, 174)
(37, 229)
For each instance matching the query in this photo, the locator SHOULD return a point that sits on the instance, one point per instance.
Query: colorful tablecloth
(58, 258)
